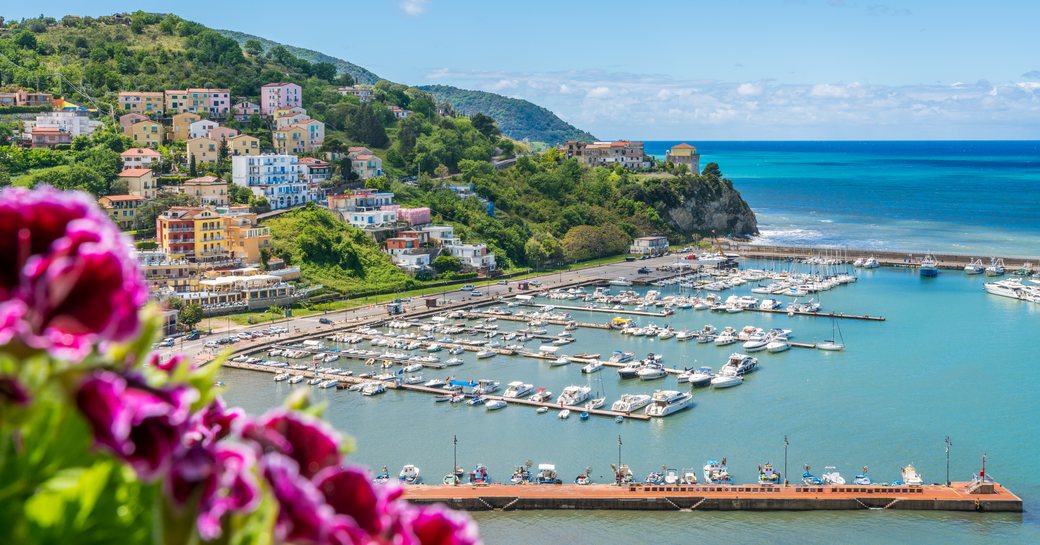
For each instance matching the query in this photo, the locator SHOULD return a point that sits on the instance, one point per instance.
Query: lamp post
(948, 445)
(455, 459)
(785, 459)
(619, 459)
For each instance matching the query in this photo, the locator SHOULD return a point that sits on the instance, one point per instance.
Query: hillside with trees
(360, 74)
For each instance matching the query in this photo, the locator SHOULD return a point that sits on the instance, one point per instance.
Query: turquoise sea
(949, 360)
(974, 197)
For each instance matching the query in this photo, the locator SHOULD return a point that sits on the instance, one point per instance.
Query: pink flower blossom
(218, 476)
(436, 525)
(303, 515)
(213, 423)
(68, 280)
(349, 491)
(311, 443)
(140, 424)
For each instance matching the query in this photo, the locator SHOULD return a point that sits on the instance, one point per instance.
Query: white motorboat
(666, 402)
(725, 339)
(495, 404)
(630, 402)
(858, 262)
(871, 263)
(410, 474)
(592, 367)
(621, 357)
(435, 383)
(518, 389)
(485, 386)
(756, 344)
(331, 383)
(620, 281)
(630, 371)
(778, 344)
(281, 377)
(739, 364)
(296, 379)
(485, 354)
(542, 410)
(726, 381)
(456, 350)
(651, 371)
(564, 414)
(831, 476)
(716, 472)
(558, 362)
(911, 477)
(573, 396)
(1014, 289)
(315, 381)
(830, 346)
(701, 377)
(413, 379)
(684, 335)
(975, 267)
(595, 403)
(412, 368)
(452, 362)
(373, 388)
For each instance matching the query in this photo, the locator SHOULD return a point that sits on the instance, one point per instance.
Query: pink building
(413, 216)
(279, 95)
(222, 133)
(245, 109)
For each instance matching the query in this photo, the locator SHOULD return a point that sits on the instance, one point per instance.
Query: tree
(324, 70)
(239, 194)
(586, 242)
(144, 217)
(486, 125)
(441, 171)
(190, 315)
(193, 169)
(253, 47)
(446, 263)
(25, 39)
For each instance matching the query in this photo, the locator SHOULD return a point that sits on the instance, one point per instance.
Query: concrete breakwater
(885, 257)
(959, 496)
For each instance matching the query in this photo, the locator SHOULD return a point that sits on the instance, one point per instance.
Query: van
(468, 287)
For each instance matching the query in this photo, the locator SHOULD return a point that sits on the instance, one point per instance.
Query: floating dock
(989, 497)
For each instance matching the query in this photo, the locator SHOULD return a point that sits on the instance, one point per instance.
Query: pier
(959, 496)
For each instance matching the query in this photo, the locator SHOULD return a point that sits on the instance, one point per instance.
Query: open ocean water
(949, 360)
(973, 197)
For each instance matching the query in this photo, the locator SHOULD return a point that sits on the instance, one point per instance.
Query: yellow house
(146, 133)
(245, 239)
(140, 182)
(182, 125)
(122, 209)
(291, 140)
(243, 144)
(204, 150)
(210, 190)
(196, 233)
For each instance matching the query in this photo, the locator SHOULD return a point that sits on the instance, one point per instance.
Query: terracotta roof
(140, 151)
(241, 136)
(118, 198)
(46, 129)
(279, 84)
(312, 161)
(683, 146)
(364, 157)
(204, 180)
(135, 172)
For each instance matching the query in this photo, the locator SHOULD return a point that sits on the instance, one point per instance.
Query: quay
(959, 496)
(884, 257)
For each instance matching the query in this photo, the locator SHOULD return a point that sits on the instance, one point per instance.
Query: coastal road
(198, 352)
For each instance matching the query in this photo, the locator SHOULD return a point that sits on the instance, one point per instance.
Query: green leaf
(69, 492)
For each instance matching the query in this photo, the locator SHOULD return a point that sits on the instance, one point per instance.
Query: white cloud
(749, 89)
(641, 106)
(414, 8)
(503, 84)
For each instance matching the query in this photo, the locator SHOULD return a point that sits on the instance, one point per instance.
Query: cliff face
(708, 204)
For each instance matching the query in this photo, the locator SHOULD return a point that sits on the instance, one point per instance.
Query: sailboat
(835, 343)
(600, 398)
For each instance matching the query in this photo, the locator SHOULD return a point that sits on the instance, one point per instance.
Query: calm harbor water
(949, 360)
(978, 197)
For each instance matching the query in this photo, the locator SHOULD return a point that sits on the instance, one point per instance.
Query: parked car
(166, 343)
(193, 336)
(325, 321)
(502, 282)
(475, 293)
(212, 344)
(468, 287)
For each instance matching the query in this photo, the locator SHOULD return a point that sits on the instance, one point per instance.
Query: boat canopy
(469, 383)
(524, 297)
(546, 467)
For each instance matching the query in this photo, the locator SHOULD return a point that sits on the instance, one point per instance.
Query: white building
(412, 262)
(649, 245)
(371, 219)
(73, 123)
(472, 256)
(440, 234)
(276, 177)
(201, 128)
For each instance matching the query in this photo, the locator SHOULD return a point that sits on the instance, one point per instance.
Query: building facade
(279, 95)
(122, 209)
(364, 163)
(140, 182)
(273, 176)
(201, 128)
(203, 150)
(649, 246)
(194, 233)
(73, 123)
(362, 92)
(213, 102)
(243, 144)
(684, 154)
(142, 102)
(147, 133)
(140, 158)
(181, 125)
(246, 239)
(210, 190)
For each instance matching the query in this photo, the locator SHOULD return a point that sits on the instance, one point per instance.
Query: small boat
(440, 398)
(592, 367)
(541, 395)
(630, 402)
(485, 354)
(725, 339)
(558, 362)
(584, 415)
(654, 478)
(475, 401)
(453, 362)
(281, 377)
(373, 388)
(382, 477)
(911, 477)
(831, 476)
(542, 410)
(295, 379)
(768, 475)
(584, 478)
(412, 368)
(480, 475)
(619, 419)
(689, 476)
(666, 402)
(726, 381)
(862, 478)
(975, 267)
(651, 371)
(456, 350)
(701, 377)
(413, 379)
(620, 281)
(596, 403)
(809, 478)
(573, 396)
(495, 404)
(331, 383)
(630, 371)
(621, 357)
(778, 344)
(547, 475)
(830, 346)
(929, 267)
(564, 414)
(871, 263)
(716, 472)
(995, 268)
(517, 389)
(410, 474)
(485, 386)
(435, 383)
(756, 345)
(521, 475)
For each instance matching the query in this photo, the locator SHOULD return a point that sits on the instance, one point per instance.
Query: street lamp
(785, 460)
(619, 459)
(948, 445)
(455, 459)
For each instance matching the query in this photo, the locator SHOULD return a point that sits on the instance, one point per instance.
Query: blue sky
(673, 69)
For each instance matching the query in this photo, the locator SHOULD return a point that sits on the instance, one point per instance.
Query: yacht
(1014, 289)
(373, 388)
(996, 267)
(716, 472)
(975, 267)
(739, 364)
(831, 476)
(726, 381)
(495, 404)
(755, 345)
(911, 477)
(666, 402)
(725, 338)
(858, 262)
(871, 263)
(929, 267)
(592, 367)
(701, 377)
(630, 402)
(574, 395)
(651, 371)
(485, 387)
(485, 354)
(778, 344)
(542, 395)
(435, 383)
(518, 389)
(630, 371)
(621, 357)
(684, 335)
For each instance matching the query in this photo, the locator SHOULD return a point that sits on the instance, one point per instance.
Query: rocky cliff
(700, 204)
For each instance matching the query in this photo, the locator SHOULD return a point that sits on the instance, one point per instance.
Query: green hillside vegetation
(333, 253)
(360, 74)
(518, 119)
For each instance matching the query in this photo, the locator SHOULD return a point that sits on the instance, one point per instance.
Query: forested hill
(360, 74)
(517, 118)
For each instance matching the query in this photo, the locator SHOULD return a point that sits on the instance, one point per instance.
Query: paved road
(197, 351)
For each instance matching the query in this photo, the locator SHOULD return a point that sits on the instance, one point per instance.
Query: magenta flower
(140, 424)
(436, 525)
(68, 280)
(219, 478)
(311, 443)
(349, 492)
(303, 515)
(213, 423)
(169, 364)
